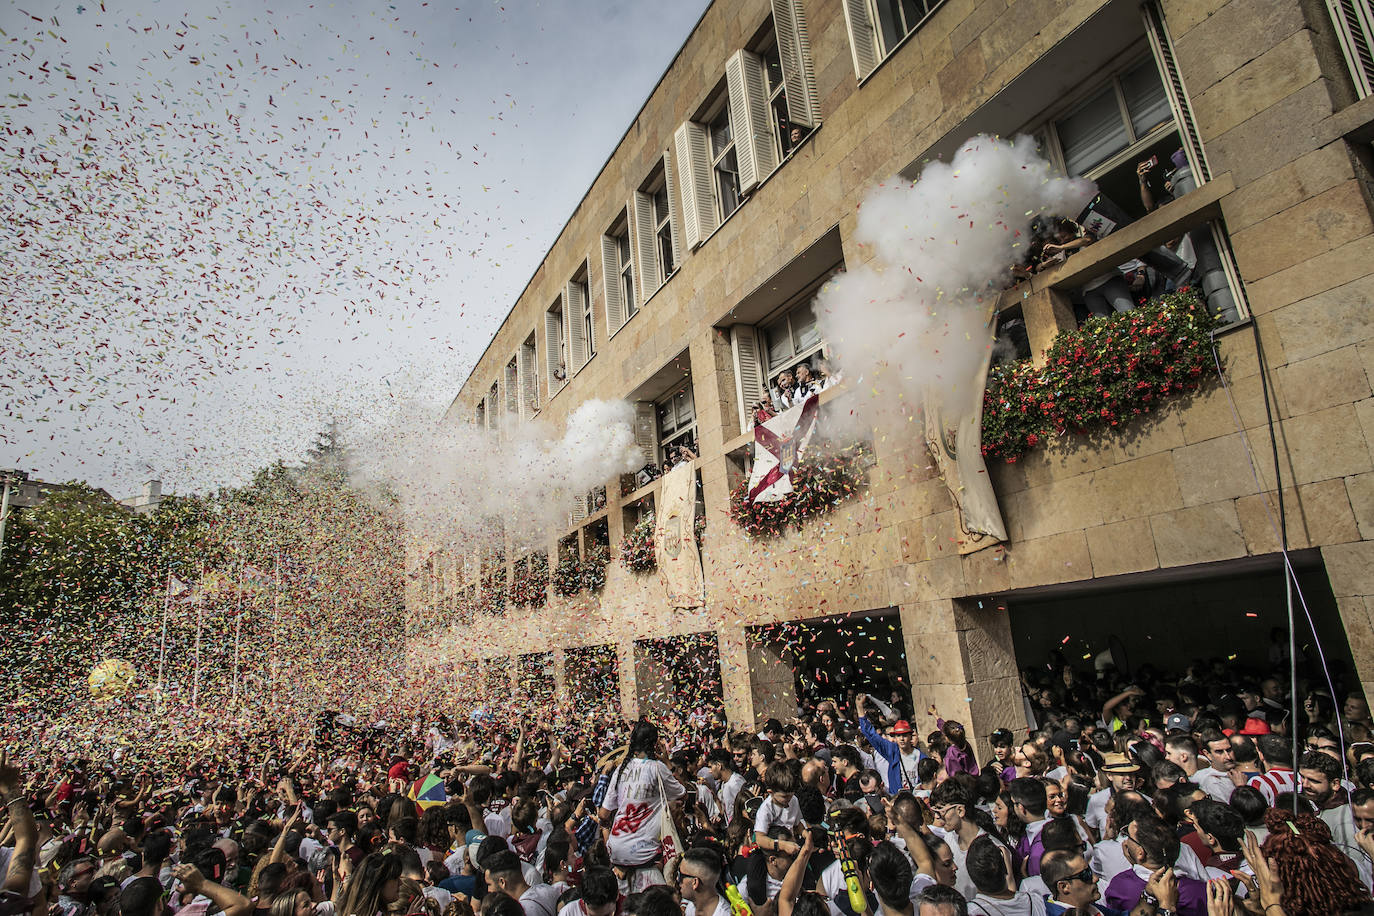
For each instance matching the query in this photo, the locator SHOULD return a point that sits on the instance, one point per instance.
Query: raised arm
(21, 822)
(796, 875)
(230, 901)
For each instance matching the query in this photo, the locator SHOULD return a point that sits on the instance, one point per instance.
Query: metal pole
(238, 632)
(162, 647)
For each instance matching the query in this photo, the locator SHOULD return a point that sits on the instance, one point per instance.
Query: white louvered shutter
(574, 305)
(744, 347)
(863, 40)
(513, 391)
(610, 273)
(553, 347)
(674, 217)
(1354, 22)
(529, 381)
(749, 116)
(1163, 49)
(642, 238)
(794, 52)
(579, 510)
(646, 430)
(694, 168)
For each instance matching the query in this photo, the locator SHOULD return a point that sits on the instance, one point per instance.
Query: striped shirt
(1274, 783)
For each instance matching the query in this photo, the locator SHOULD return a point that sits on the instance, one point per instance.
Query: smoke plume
(918, 317)
(459, 486)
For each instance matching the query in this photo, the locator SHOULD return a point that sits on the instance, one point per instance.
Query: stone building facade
(681, 283)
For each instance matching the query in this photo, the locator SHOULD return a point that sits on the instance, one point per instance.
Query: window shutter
(744, 346)
(863, 40)
(641, 215)
(529, 382)
(694, 165)
(513, 390)
(1354, 22)
(646, 430)
(1163, 49)
(610, 272)
(553, 345)
(749, 115)
(794, 51)
(579, 510)
(670, 182)
(573, 307)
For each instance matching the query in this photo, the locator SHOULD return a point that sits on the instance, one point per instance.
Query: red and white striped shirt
(1274, 783)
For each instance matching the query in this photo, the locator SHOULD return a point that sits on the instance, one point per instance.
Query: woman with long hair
(636, 797)
(374, 884)
(294, 902)
(1299, 864)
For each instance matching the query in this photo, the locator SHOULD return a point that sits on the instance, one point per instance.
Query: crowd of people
(1156, 797)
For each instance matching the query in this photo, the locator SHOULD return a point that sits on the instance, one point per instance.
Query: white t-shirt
(540, 900)
(722, 908)
(635, 797)
(729, 792)
(1021, 904)
(962, 882)
(770, 815)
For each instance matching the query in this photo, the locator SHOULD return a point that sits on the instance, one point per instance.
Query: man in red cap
(901, 753)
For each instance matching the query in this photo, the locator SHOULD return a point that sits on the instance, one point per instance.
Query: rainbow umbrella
(427, 792)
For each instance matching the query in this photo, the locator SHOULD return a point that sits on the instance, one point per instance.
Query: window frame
(721, 110)
(680, 431)
(663, 230)
(557, 384)
(1049, 125)
(804, 299)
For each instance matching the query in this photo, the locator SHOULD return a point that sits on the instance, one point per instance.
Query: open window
(657, 246)
(878, 27)
(618, 271)
(555, 346)
(494, 408)
(581, 327)
(677, 423)
(513, 391)
(529, 378)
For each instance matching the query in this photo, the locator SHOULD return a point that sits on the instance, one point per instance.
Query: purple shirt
(1124, 890)
(957, 761)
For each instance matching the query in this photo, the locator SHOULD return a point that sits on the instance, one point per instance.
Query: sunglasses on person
(1086, 876)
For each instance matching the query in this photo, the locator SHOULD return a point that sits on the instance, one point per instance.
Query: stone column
(773, 680)
(1046, 313)
(960, 659)
(735, 676)
(625, 673)
(1350, 569)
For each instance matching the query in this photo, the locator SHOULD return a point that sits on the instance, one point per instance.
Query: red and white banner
(778, 446)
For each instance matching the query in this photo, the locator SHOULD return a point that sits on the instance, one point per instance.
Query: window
(555, 347)
(1354, 22)
(480, 418)
(513, 390)
(582, 328)
(877, 27)
(791, 339)
(786, 136)
(653, 220)
(724, 164)
(529, 378)
(493, 408)
(677, 422)
(618, 273)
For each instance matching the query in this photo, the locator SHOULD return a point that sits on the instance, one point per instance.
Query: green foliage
(1099, 376)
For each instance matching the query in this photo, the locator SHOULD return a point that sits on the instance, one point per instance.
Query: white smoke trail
(917, 318)
(457, 486)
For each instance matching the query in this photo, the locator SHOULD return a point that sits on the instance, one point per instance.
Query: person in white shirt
(729, 783)
(989, 866)
(504, 875)
(698, 881)
(600, 894)
(952, 803)
(639, 790)
(1122, 776)
(1216, 779)
(780, 807)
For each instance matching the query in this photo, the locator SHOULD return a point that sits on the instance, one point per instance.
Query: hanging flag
(178, 590)
(778, 446)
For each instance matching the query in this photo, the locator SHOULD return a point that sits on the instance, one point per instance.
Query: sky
(224, 224)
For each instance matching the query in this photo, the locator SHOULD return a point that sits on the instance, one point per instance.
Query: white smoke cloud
(916, 318)
(454, 481)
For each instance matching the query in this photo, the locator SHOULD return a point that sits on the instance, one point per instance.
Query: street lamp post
(10, 478)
